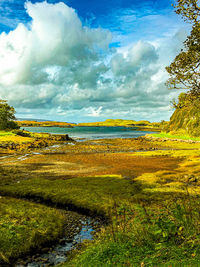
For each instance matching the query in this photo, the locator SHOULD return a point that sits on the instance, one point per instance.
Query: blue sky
(88, 60)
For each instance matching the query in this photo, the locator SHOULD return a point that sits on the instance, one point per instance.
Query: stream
(83, 229)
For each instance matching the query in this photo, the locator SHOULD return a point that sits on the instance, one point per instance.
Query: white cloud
(59, 65)
(56, 38)
(94, 112)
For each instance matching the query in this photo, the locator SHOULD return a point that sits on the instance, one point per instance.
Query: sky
(84, 61)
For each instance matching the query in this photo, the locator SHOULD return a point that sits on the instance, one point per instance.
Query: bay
(91, 133)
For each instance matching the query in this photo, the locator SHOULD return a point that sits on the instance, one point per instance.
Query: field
(148, 188)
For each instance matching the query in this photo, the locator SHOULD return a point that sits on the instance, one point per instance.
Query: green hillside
(186, 117)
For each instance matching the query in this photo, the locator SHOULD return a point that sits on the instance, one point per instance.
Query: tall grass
(143, 236)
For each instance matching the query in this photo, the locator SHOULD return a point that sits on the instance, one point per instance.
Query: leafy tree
(189, 10)
(7, 116)
(184, 71)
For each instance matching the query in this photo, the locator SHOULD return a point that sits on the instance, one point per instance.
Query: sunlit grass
(25, 225)
(175, 136)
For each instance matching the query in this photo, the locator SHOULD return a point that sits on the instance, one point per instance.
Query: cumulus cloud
(55, 37)
(57, 64)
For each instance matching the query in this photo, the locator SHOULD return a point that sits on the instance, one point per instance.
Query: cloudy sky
(88, 60)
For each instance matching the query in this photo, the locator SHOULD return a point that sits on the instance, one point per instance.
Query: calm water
(90, 132)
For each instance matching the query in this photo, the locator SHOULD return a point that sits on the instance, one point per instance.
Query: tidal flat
(147, 189)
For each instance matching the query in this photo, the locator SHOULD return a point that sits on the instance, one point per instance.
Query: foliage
(184, 71)
(7, 116)
(188, 9)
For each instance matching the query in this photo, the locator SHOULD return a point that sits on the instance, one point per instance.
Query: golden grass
(15, 139)
(186, 177)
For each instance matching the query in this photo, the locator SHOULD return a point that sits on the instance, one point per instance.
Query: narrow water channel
(83, 229)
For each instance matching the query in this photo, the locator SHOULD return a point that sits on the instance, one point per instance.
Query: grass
(151, 197)
(25, 225)
(154, 230)
(175, 136)
(140, 237)
(9, 136)
(93, 193)
(5, 133)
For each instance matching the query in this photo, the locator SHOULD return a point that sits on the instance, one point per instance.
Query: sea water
(91, 133)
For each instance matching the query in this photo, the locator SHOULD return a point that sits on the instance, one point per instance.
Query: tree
(184, 71)
(7, 116)
(189, 10)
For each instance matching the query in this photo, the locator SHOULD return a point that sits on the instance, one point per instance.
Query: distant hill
(40, 123)
(28, 119)
(143, 124)
(120, 122)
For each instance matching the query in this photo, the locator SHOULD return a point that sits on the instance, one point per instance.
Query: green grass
(171, 136)
(25, 225)
(94, 193)
(145, 238)
(125, 253)
(5, 133)
(143, 232)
